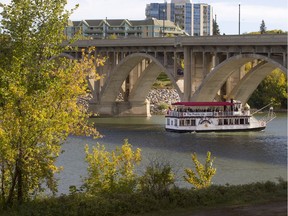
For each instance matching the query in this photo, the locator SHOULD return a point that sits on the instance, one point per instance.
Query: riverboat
(214, 117)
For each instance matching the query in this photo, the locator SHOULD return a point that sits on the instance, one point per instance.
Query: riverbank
(273, 208)
(160, 99)
(219, 200)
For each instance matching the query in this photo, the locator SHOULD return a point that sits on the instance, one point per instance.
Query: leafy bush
(158, 179)
(111, 171)
(163, 106)
(205, 172)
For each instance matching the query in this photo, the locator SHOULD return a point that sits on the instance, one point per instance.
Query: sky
(252, 12)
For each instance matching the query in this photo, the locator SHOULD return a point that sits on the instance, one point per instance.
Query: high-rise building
(195, 19)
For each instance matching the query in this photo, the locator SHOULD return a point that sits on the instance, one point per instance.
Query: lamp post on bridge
(163, 32)
(239, 20)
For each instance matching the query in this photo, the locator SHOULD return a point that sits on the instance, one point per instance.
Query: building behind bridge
(123, 28)
(180, 17)
(195, 19)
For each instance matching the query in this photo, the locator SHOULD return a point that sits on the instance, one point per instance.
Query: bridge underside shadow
(212, 84)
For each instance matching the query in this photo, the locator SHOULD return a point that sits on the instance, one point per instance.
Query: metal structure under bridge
(214, 68)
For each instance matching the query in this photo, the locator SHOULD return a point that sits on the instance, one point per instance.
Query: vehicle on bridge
(214, 117)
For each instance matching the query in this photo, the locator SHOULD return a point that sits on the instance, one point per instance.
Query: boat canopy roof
(207, 104)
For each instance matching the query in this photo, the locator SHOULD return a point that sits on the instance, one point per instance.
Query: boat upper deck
(200, 113)
(211, 109)
(204, 104)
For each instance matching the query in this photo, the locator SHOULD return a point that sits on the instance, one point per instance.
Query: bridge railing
(263, 39)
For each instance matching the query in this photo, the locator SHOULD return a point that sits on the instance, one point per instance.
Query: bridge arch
(245, 87)
(144, 82)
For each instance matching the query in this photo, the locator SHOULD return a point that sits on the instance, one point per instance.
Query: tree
(205, 172)
(262, 27)
(112, 37)
(273, 89)
(216, 30)
(38, 97)
(111, 171)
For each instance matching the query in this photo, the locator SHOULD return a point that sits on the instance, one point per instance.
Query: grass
(162, 81)
(178, 200)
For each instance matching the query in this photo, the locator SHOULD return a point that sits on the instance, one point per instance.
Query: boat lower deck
(180, 130)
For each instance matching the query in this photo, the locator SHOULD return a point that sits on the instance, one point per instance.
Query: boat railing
(270, 116)
(175, 113)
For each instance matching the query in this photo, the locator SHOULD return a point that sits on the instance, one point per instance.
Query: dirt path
(267, 209)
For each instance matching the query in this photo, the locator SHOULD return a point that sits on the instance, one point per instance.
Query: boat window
(237, 121)
(231, 121)
(241, 121)
(193, 122)
(175, 122)
(168, 121)
(225, 121)
(246, 121)
(181, 123)
(187, 122)
(220, 122)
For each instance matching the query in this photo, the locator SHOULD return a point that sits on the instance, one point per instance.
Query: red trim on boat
(203, 104)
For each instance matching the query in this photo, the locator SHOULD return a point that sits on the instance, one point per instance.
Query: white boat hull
(213, 124)
(212, 129)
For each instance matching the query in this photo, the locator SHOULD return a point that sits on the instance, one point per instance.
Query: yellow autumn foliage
(203, 174)
(111, 171)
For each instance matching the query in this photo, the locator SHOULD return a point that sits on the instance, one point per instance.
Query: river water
(240, 158)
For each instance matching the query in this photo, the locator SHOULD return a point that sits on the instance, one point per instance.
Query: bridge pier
(196, 66)
(188, 61)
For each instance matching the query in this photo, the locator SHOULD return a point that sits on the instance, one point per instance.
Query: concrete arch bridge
(214, 68)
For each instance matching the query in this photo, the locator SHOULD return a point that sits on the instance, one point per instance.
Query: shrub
(163, 106)
(111, 171)
(205, 172)
(157, 179)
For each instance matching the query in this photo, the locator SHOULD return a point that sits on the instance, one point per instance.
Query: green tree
(111, 171)
(201, 178)
(38, 97)
(273, 89)
(263, 27)
(112, 37)
(216, 30)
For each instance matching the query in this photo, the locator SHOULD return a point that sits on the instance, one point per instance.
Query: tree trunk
(12, 188)
(20, 186)
(2, 182)
(16, 180)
